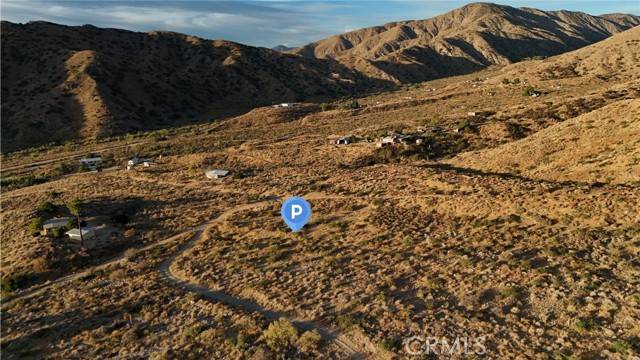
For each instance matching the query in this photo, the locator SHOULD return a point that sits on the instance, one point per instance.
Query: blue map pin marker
(296, 212)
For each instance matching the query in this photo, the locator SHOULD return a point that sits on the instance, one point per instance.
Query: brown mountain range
(464, 40)
(62, 83)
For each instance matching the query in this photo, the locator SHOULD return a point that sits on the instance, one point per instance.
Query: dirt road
(166, 273)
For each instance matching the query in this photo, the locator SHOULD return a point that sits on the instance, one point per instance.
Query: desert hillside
(599, 146)
(62, 83)
(464, 40)
(615, 58)
(513, 221)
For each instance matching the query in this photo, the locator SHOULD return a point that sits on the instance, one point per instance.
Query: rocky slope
(61, 83)
(464, 40)
(599, 146)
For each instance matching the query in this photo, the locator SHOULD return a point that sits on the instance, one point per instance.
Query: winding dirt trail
(248, 305)
(40, 288)
(166, 273)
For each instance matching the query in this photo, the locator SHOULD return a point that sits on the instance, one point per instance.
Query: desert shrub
(75, 207)
(391, 344)
(506, 81)
(56, 233)
(159, 134)
(582, 325)
(514, 218)
(324, 106)
(382, 155)
(35, 226)
(433, 121)
(509, 292)
(17, 182)
(66, 168)
(516, 81)
(347, 322)
(280, 336)
(240, 341)
(242, 173)
(620, 347)
(191, 333)
(353, 104)
(463, 124)
(309, 341)
(46, 206)
(528, 91)
(12, 282)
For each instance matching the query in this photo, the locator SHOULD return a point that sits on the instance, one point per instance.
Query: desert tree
(75, 208)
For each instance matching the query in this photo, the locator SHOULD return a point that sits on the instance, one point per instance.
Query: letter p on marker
(296, 210)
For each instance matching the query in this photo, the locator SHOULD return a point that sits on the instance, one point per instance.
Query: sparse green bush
(240, 341)
(353, 104)
(620, 347)
(506, 81)
(391, 344)
(309, 341)
(46, 206)
(528, 91)
(66, 168)
(433, 121)
(75, 207)
(324, 106)
(56, 233)
(281, 336)
(191, 333)
(347, 322)
(585, 324)
(509, 292)
(463, 124)
(35, 226)
(12, 282)
(18, 182)
(516, 81)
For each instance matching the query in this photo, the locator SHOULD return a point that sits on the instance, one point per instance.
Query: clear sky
(264, 22)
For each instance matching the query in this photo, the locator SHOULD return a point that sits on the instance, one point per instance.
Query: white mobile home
(216, 174)
(345, 140)
(91, 163)
(55, 223)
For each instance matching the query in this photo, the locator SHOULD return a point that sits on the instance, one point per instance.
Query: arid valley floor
(516, 223)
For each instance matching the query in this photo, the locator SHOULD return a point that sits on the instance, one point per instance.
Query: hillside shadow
(501, 175)
(59, 116)
(428, 64)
